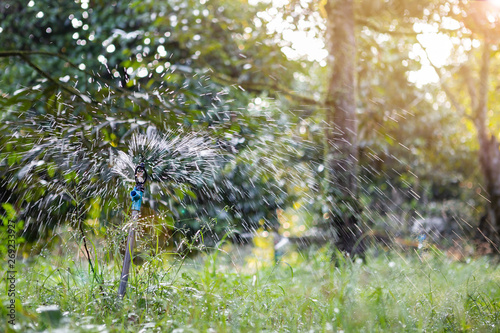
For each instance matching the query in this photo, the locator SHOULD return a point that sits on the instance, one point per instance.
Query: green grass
(220, 292)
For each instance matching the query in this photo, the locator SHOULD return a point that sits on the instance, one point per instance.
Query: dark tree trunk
(489, 153)
(341, 133)
(489, 228)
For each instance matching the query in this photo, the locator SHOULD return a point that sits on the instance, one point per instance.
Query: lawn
(231, 290)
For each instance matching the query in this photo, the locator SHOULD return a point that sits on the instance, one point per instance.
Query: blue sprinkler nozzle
(140, 178)
(136, 196)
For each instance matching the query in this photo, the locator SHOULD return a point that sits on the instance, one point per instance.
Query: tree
(480, 22)
(345, 23)
(468, 85)
(341, 133)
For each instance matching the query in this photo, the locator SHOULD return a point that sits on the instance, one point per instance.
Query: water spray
(173, 158)
(141, 176)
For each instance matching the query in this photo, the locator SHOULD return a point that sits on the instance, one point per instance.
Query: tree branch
(373, 26)
(21, 53)
(225, 79)
(483, 77)
(408, 33)
(24, 55)
(259, 86)
(482, 91)
(71, 90)
(451, 96)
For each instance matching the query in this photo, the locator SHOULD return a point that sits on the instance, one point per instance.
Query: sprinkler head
(140, 177)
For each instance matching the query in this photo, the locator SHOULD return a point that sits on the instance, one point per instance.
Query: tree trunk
(489, 152)
(341, 133)
(489, 228)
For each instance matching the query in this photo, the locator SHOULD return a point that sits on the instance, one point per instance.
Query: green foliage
(79, 81)
(92, 73)
(10, 230)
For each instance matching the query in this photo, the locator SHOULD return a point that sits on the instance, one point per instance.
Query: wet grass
(219, 292)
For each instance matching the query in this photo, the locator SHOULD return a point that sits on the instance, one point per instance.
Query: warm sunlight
(311, 46)
(495, 2)
(304, 39)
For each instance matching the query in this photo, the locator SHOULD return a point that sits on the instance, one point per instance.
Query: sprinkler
(141, 176)
(178, 157)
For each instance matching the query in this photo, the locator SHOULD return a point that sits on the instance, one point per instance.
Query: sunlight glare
(302, 43)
